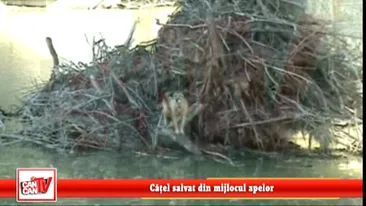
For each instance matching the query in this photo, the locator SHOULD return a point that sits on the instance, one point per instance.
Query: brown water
(24, 57)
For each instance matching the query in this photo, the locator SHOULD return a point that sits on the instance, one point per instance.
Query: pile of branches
(110, 103)
(255, 72)
(265, 70)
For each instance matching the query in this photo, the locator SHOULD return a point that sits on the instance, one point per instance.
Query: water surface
(182, 165)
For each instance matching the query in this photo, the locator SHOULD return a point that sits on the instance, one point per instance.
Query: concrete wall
(346, 14)
(71, 4)
(24, 55)
(35, 3)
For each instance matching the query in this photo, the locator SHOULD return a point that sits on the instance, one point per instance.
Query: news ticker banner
(42, 185)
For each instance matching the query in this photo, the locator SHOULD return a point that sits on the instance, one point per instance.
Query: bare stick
(56, 62)
(53, 52)
(97, 5)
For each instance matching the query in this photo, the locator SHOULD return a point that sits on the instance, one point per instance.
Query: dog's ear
(168, 93)
(184, 92)
(163, 94)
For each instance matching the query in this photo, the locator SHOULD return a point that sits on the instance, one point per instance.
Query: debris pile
(254, 72)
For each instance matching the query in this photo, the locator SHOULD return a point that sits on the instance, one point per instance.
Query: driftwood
(56, 62)
(53, 52)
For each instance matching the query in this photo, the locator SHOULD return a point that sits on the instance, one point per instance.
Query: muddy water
(24, 58)
(112, 165)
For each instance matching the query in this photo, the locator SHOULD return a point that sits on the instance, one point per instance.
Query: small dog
(175, 106)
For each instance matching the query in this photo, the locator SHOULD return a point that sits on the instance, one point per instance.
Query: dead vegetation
(255, 72)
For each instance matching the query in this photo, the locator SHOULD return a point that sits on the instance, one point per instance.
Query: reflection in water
(113, 165)
(352, 167)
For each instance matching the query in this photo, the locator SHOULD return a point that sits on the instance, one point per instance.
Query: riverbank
(23, 47)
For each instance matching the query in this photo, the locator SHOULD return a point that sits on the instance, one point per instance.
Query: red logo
(36, 185)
